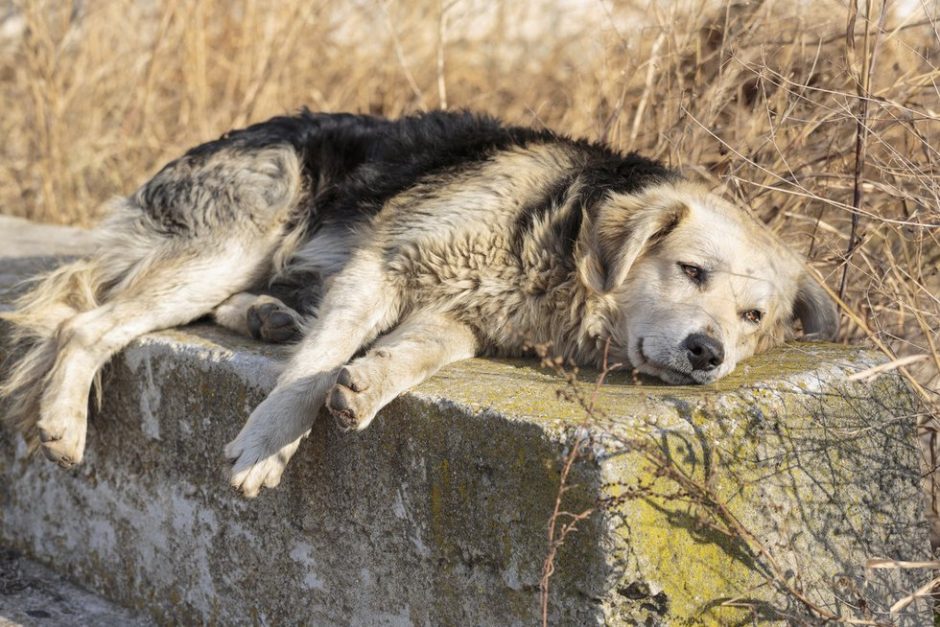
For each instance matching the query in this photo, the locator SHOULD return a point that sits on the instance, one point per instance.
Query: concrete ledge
(717, 505)
(31, 594)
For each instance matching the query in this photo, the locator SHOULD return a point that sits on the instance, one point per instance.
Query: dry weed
(823, 119)
(829, 137)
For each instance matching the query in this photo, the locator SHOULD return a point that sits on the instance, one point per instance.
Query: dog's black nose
(704, 352)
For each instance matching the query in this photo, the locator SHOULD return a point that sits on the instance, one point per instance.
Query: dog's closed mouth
(676, 377)
(668, 373)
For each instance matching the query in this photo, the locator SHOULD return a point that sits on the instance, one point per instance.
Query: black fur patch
(603, 172)
(354, 163)
(411, 149)
(548, 206)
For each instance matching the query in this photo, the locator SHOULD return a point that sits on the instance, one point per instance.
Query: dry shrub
(808, 116)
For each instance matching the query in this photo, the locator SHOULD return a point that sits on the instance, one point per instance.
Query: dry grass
(824, 123)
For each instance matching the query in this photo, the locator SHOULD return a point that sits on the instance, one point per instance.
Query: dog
(405, 245)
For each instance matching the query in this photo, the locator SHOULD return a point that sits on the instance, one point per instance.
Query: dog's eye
(753, 316)
(695, 273)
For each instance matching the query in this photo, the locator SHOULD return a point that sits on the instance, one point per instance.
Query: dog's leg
(357, 307)
(162, 294)
(421, 345)
(259, 316)
(208, 225)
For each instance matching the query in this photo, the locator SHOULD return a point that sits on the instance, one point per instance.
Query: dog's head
(693, 285)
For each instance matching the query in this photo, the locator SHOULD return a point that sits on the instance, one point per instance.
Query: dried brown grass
(825, 125)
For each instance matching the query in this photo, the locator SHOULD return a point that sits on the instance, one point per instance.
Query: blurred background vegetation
(820, 117)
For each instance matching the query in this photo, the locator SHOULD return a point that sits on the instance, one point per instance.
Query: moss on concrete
(437, 513)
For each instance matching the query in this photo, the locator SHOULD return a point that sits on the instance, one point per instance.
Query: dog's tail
(32, 337)
(32, 327)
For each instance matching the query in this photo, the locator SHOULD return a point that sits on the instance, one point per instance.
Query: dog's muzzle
(705, 353)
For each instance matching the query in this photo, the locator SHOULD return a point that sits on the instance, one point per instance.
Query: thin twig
(441, 42)
(647, 87)
(400, 55)
(863, 84)
(555, 541)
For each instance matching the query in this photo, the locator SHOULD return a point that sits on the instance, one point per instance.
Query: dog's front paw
(256, 465)
(271, 436)
(250, 472)
(63, 439)
(260, 452)
(353, 400)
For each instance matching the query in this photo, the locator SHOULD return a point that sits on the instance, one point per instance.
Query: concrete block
(758, 499)
(31, 594)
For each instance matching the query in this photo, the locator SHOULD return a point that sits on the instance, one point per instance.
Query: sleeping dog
(406, 244)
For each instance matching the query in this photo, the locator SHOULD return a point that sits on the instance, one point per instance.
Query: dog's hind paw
(270, 320)
(351, 401)
(63, 442)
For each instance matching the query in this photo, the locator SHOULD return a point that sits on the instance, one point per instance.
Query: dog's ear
(815, 310)
(624, 227)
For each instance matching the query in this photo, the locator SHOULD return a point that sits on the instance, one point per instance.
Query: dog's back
(352, 164)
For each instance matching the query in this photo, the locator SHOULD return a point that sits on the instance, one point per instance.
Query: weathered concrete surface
(709, 503)
(22, 238)
(31, 594)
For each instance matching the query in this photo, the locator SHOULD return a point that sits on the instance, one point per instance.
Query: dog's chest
(512, 296)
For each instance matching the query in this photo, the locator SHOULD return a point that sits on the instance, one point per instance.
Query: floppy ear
(815, 310)
(624, 228)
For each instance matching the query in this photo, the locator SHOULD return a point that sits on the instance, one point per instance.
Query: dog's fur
(419, 241)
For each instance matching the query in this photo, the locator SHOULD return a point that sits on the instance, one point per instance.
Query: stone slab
(32, 595)
(756, 499)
